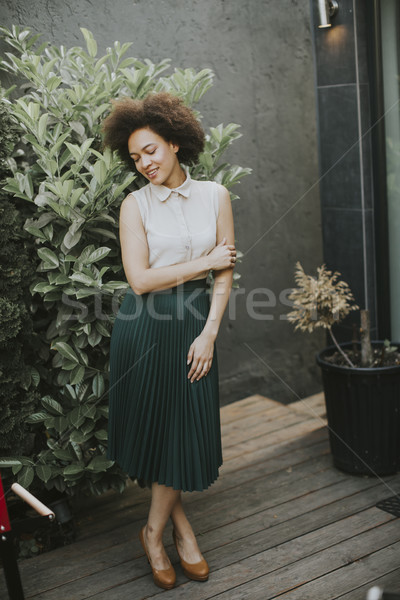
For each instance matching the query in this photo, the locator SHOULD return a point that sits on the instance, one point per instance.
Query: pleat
(163, 428)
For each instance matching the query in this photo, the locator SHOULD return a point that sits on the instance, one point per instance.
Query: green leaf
(102, 329)
(77, 127)
(43, 287)
(78, 437)
(98, 254)
(34, 231)
(98, 385)
(73, 469)
(71, 239)
(77, 375)
(94, 338)
(68, 365)
(60, 424)
(100, 171)
(35, 376)
(77, 450)
(75, 151)
(86, 145)
(42, 127)
(36, 418)
(90, 42)
(25, 476)
(65, 350)
(82, 278)
(90, 411)
(103, 232)
(88, 427)
(7, 463)
(77, 416)
(122, 187)
(44, 472)
(48, 257)
(103, 410)
(115, 285)
(62, 454)
(99, 463)
(52, 406)
(101, 435)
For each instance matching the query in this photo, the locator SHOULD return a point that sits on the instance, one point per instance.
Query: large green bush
(75, 189)
(17, 377)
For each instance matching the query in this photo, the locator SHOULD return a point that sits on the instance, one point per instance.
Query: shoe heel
(197, 571)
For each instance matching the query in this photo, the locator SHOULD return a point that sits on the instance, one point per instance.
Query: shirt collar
(163, 193)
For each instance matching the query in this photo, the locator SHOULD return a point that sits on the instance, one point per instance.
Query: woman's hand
(222, 256)
(200, 354)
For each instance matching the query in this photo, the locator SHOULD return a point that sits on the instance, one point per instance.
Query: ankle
(153, 536)
(185, 533)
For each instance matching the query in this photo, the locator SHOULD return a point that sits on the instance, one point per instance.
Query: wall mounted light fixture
(327, 10)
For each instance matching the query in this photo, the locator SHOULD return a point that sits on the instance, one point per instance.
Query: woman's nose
(146, 161)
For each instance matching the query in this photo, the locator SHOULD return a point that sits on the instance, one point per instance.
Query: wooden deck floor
(280, 521)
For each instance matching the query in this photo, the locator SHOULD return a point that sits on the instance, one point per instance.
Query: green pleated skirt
(163, 428)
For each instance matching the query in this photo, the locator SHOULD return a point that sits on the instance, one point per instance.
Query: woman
(164, 427)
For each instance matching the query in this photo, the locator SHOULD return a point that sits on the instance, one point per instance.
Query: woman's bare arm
(223, 279)
(201, 351)
(135, 256)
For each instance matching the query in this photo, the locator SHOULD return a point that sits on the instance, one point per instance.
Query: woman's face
(155, 158)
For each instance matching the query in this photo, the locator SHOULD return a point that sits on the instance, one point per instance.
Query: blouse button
(187, 247)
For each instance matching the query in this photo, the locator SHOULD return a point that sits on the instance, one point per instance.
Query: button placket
(186, 237)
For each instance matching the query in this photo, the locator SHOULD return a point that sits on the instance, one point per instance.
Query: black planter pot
(363, 412)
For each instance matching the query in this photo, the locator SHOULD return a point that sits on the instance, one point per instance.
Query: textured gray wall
(261, 53)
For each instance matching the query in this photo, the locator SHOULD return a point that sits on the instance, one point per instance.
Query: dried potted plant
(361, 379)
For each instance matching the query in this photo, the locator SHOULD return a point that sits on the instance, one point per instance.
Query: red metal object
(7, 549)
(4, 520)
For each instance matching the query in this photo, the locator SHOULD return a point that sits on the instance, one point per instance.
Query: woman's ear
(175, 147)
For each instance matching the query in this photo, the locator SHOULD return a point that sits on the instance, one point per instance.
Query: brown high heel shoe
(164, 578)
(197, 571)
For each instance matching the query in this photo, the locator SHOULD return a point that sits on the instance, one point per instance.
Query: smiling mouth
(152, 173)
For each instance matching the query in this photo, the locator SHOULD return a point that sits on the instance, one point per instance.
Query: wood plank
(250, 405)
(262, 428)
(301, 515)
(345, 579)
(303, 432)
(390, 583)
(255, 425)
(87, 506)
(270, 573)
(247, 422)
(297, 516)
(283, 523)
(225, 500)
(311, 406)
(98, 519)
(201, 521)
(245, 580)
(277, 495)
(304, 436)
(136, 496)
(230, 412)
(271, 437)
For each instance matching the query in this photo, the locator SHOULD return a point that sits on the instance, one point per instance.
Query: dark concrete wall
(261, 53)
(345, 155)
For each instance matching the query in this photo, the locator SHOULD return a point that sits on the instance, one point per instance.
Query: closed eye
(148, 152)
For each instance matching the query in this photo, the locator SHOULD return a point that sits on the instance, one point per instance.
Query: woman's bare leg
(187, 543)
(163, 499)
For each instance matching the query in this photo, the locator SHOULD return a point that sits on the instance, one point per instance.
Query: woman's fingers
(199, 369)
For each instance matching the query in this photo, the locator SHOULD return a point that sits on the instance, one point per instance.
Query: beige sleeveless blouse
(180, 223)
